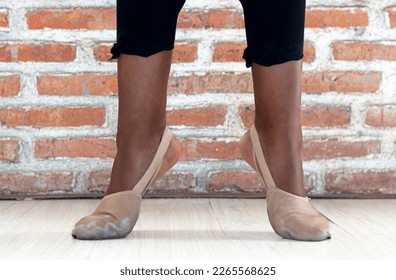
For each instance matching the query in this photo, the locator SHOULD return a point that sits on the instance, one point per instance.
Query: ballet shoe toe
(308, 228)
(96, 227)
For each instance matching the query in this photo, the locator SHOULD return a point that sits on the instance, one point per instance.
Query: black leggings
(274, 28)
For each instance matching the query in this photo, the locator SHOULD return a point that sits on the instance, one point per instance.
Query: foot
(118, 212)
(283, 156)
(291, 216)
(134, 157)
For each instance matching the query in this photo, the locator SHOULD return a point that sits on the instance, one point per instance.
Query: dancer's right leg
(145, 147)
(145, 39)
(142, 84)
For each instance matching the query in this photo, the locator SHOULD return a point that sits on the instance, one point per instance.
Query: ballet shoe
(117, 213)
(291, 216)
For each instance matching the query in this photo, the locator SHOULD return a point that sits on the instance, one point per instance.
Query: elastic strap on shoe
(260, 162)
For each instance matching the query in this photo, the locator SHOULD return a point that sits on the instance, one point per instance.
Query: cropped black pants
(274, 28)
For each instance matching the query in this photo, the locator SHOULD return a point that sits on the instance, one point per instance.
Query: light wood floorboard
(196, 229)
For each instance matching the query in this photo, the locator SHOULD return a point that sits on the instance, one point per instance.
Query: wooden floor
(196, 229)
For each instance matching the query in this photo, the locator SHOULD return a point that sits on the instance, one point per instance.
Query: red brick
(198, 116)
(211, 82)
(9, 150)
(326, 116)
(311, 82)
(188, 19)
(183, 52)
(6, 54)
(52, 117)
(35, 182)
(92, 84)
(350, 82)
(37, 53)
(3, 19)
(174, 182)
(381, 116)
(233, 52)
(361, 182)
(216, 19)
(98, 180)
(318, 116)
(80, 18)
(324, 148)
(196, 150)
(225, 19)
(47, 53)
(309, 52)
(235, 181)
(102, 52)
(334, 17)
(180, 182)
(228, 52)
(186, 52)
(90, 147)
(363, 51)
(9, 85)
(244, 182)
(392, 16)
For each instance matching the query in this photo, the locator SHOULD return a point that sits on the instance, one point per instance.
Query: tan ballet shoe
(291, 216)
(117, 213)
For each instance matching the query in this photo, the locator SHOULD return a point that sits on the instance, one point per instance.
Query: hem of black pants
(271, 61)
(117, 50)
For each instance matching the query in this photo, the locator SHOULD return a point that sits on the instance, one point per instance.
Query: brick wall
(58, 98)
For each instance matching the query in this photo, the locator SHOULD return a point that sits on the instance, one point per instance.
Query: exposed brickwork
(365, 181)
(342, 18)
(197, 117)
(324, 148)
(196, 150)
(47, 117)
(3, 19)
(217, 19)
(381, 116)
(75, 147)
(9, 85)
(312, 116)
(100, 18)
(35, 182)
(9, 149)
(86, 84)
(392, 16)
(364, 51)
(37, 53)
(343, 82)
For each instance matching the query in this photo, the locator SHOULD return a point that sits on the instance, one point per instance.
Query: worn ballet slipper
(117, 213)
(291, 216)
(115, 217)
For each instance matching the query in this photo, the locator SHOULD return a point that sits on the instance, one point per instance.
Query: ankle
(129, 134)
(280, 136)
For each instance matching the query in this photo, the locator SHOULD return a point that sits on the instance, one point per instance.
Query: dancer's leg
(145, 147)
(277, 120)
(275, 35)
(142, 84)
